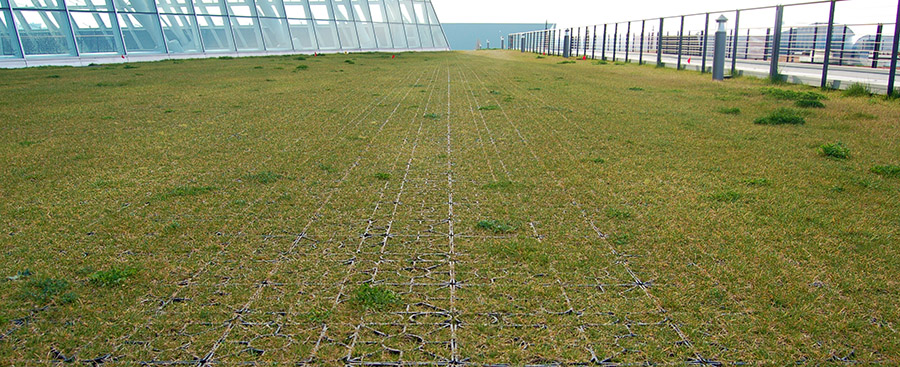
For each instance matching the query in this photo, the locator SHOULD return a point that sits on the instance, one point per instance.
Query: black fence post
(829, 35)
(776, 43)
(705, 43)
(843, 44)
(680, 42)
(627, 41)
(893, 72)
(587, 36)
(603, 48)
(746, 50)
(877, 49)
(766, 46)
(615, 41)
(594, 45)
(737, 30)
(659, 43)
(641, 50)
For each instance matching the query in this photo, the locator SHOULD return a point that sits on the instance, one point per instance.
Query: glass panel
(420, 13)
(95, 33)
(215, 34)
(393, 11)
(8, 44)
(366, 35)
(44, 32)
(425, 36)
(376, 11)
(432, 16)
(304, 35)
(326, 35)
(342, 10)
(383, 35)
(297, 9)
(438, 35)
(37, 4)
(270, 8)
(347, 32)
(397, 33)
(174, 6)
(361, 11)
(181, 33)
(246, 34)
(142, 33)
(406, 10)
(210, 7)
(320, 9)
(275, 33)
(241, 8)
(147, 6)
(412, 36)
(102, 5)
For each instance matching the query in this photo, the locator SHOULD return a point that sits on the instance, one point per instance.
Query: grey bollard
(719, 52)
(567, 48)
(522, 43)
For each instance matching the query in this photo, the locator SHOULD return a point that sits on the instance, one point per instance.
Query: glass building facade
(36, 29)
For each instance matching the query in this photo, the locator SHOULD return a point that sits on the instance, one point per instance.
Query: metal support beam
(603, 49)
(891, 91)
(680, 42)
(615, 41)
(829, 35)
(659, 43)
(627, 42)
(737, 22)
(594, 45)
(641, 57)
(705, 43)
(776, 43)
(877, 48)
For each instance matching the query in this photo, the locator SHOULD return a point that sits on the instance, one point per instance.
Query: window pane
(44, 32)
(347, 32)
(420, 13)
(241, 8)
(181, 33)
(210, 7)
(246, 34)
(215, 35)
(147, 6)
(320, 9)
(376, 10)
(275, 33)
(270, 8)
(399, 35)
(304, 36)
(95, 33)
(383, 35)
(406, 10)
(438, 35)
(174, 6)
(361, 11)
(412, 36)
(366, 35)
(342, 10)
(393, 11)
(142, 33)
(296, 11)
(102, 5)
(425, 36)
(432, 16)
(326, 34)
(37, 4)
(8, 44)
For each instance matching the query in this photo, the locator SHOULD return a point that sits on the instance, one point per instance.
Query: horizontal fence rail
(801, 43)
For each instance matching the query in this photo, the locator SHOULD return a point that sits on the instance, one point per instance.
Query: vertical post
(659, 42)
(705, 42)
(843, 43)
(603, 49)
(641, 57)
(815, 45)
(74, 41)
(615, 41)
(680, 42)
(719, 52)
(766, 46)
(15, 28)
(746, 49)
(594, 45)
(627, 41)
(776, 42)
(737, 23)
(522, 43)
(790, 48)
(587, 36)
(893, 72)
(829, 34)
(567, 42)
(877, 46)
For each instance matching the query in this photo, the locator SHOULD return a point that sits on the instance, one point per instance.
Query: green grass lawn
(482, 208)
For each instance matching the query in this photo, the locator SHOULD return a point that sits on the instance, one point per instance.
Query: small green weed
(226, 57)
(539, 57)
(791, 95)
(858, 90)
(27, 143)
(53, 76)
(600, 62)
(781, 116)
(301, 67)
(566, 62)
(887, 170)
(615, 213)
(44, 290)
(620, 240)
(489, 108)
(300, 58)
(432, 116)
(636, 89)
(316, 316)
(327, 168)
(265, 177)
(349, 62)
(726, 196)
(618, 63)
(496, 226)
(861, 116)
(383, 176)
(181, 191)
(835, 150)
(730, 111)
(111, 277)
(374, 297)
(533, 89)
(171, 227)
(21, 274)
(496, 93)
(130, 67)
(598, 160)
(809, 103)
(757, 182)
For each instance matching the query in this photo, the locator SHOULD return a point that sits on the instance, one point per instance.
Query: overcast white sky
(589, 12)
